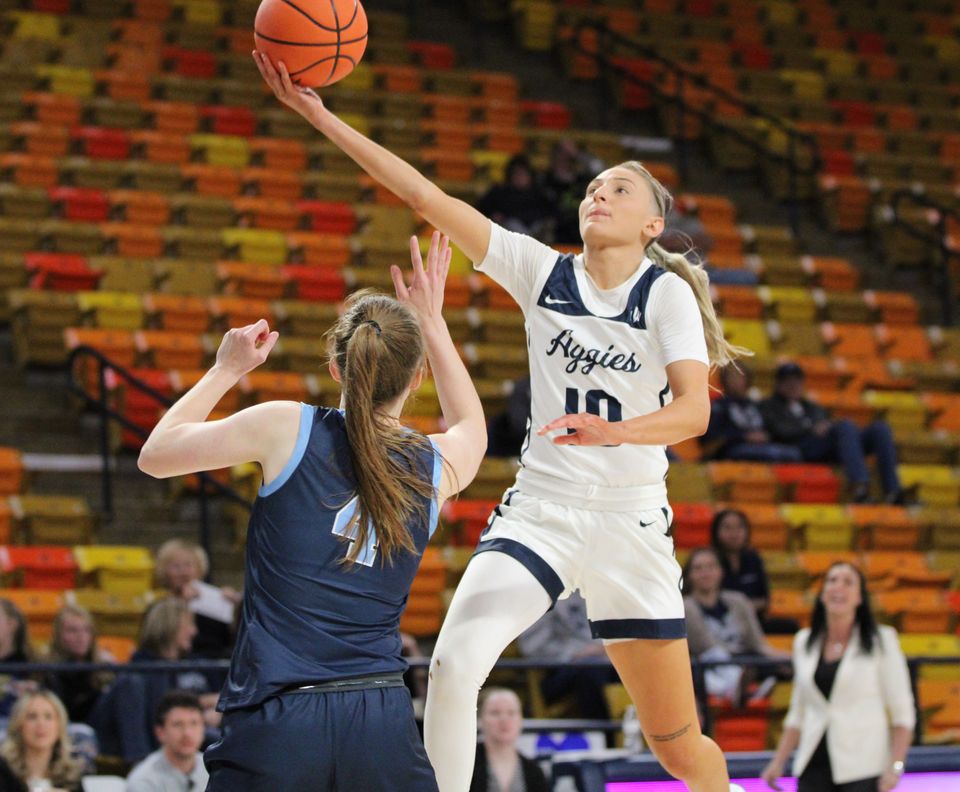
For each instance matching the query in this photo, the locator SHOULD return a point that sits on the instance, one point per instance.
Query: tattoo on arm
(671, 736)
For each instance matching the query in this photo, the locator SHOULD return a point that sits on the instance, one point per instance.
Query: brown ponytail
(720, 351)
(378, 349)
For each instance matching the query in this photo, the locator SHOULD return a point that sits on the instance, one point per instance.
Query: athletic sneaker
(736, 788)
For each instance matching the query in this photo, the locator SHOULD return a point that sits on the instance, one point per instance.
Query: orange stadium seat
(11, 471)
(41, 567)
(39, 606)
(183, 313)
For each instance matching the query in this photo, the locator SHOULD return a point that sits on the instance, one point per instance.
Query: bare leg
(657, 676)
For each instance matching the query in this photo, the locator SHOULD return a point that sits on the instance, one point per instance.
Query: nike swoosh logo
(645, 525)
(550, 301)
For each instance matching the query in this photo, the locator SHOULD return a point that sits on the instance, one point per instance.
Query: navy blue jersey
(306, 616)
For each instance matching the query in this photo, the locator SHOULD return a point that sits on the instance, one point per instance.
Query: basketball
(319, 41)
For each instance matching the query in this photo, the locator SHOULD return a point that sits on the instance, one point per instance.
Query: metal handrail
(699, 668)
(683, 75)
(101, 403)
(936, 239)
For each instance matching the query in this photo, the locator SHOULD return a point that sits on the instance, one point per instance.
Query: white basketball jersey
(598, 351)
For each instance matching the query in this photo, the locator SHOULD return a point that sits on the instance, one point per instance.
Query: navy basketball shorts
(322, 741)
(622, 562)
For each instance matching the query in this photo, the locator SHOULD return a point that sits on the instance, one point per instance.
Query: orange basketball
(319, 41)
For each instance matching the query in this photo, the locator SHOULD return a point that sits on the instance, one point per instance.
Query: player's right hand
(297, 97)
(245, 348)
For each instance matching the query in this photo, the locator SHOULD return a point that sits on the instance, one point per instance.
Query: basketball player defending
(315, 697)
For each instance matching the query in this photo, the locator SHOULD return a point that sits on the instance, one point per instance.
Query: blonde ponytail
(378, 349)
(720, 351)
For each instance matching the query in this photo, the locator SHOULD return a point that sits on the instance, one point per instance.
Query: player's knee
(678, 758)
(453, 669)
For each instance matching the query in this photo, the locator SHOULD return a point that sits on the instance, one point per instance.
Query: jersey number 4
(592, 404)
(344, 526)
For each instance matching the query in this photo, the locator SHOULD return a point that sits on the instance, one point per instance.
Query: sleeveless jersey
(306, 617)
(597, 351)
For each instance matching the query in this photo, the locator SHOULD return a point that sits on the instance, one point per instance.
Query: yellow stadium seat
(822, 527)
(30, 25)
(256, 245)
(901, 409)
(936, 485)
(112, 310)
(68, 80)
(54, 519)
(118, 569)
(229, 150)
(748, 333)
(789, 304)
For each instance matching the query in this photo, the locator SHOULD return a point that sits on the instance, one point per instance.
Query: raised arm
(468, 229)
(465, 441)
(185, 442)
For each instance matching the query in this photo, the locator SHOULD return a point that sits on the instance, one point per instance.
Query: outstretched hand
(297, 97)
(424, 295)
(588, 430)
(245, 348)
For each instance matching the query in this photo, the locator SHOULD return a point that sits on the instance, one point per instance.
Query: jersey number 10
(593, 400)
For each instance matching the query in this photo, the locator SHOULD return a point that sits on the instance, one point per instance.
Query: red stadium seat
(41, 567)
(691, 524)
(101, 143)
(81, 204)
(808, 483)
(322, 284)
(61, 272)
(329, 217)
(230, 120)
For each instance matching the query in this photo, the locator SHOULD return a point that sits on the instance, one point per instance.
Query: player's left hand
(588, 430)
(424, 295)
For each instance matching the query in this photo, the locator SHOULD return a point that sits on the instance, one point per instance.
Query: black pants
(818, 777)
(322, 742)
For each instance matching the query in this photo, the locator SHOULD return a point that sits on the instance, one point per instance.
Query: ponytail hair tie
(374, 325)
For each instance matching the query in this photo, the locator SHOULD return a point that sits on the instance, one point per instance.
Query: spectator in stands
(736, 429)
(851, 714)
(563, 634)
(499, 766)
(14, 648)
(37, 748)
(720, 624)
(74, 640)
(743, 568)
(519, 203)
(508, 429)
(565, 183)
(123, 717)
(792, 418)
(181, 568)
(178, 764)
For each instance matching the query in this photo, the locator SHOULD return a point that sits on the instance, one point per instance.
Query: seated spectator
(507, 430)
(123, 717)
(499, 766)
(736, 428)
(14, 648)
(37, 748)
(563, 634)
(720, 624)
(181, 567)
(178, 764)
(743, 568)
(518, 203)
(74, 640)
(792, 418)
(565, 184)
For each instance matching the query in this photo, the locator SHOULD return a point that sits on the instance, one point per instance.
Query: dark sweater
(533, 778)
(786, 426)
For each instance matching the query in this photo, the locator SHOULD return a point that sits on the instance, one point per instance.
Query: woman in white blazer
(852, 713)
